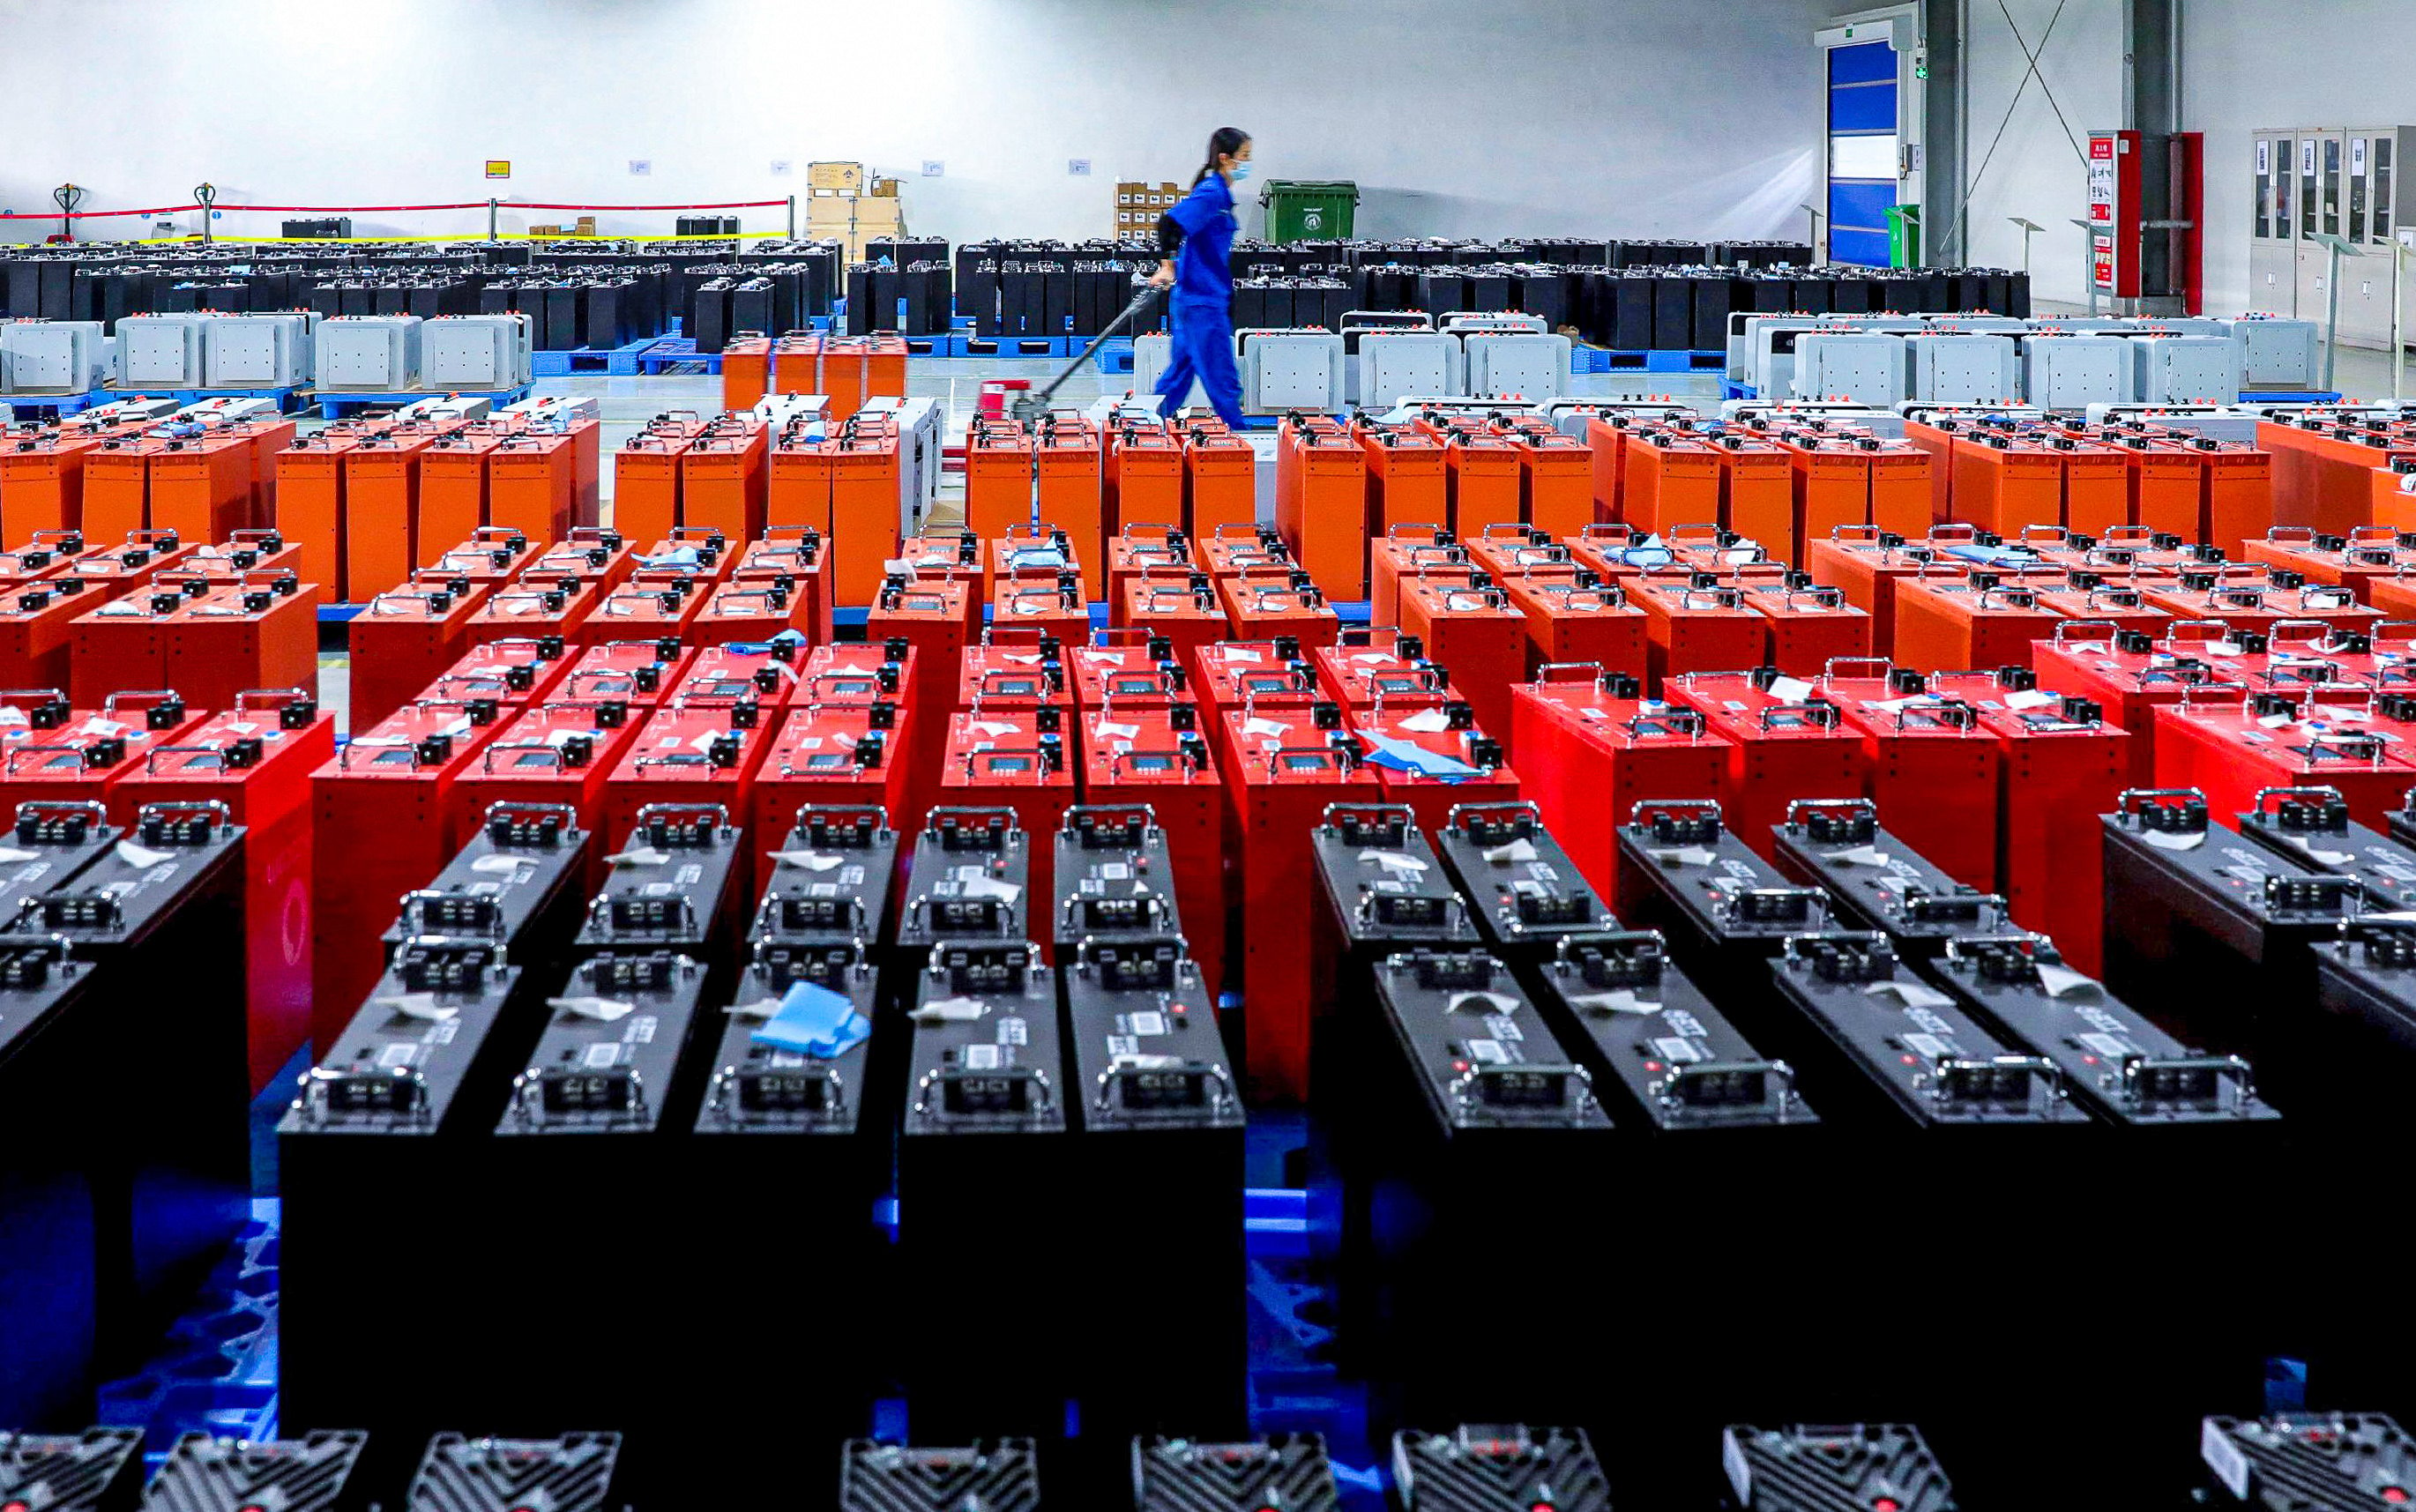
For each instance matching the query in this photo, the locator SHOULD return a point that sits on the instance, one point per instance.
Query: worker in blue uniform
(1195, 244)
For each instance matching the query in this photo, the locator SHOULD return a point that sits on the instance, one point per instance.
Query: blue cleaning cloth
(1406, 756)
(679, 556)
(814, 1021)
(1996, 555)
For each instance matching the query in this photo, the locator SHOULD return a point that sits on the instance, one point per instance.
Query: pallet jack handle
(1032, 405)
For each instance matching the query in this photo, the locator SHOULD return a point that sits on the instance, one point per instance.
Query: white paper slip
(1394, 861)
(896, 567)
(2329, 858)
(2061, 981)
(141, 857)
(951, 1010)
(1789, 690)
(1370, 658)
(2275, 722)
(418, 1005)
(639, 855)
(1427, 722)
(1515, 850)
(995, 728)
(1020, 659)
(602, 1009)
(2029, 698)
(1480, 1002)
(1005, 892)
(1861, 855)
(11, 857)
(1117, 732)
(500, 864)
(1094, 654)
(1235, 652)
(560, 738)
(762, 1007)
(1684, 856)
(807, 860)
(2162, 841)
(1622, 1000)
(1255, 726)
(704, 741)
(1912, 994)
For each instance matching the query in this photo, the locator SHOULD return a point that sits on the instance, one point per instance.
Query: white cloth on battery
(639, 855)
(1020, 659)
(1116, 731)
(560, 738)
(1371, 657)
(1684, 856)
(1005, 892)
(141, 857)
(1861, 855)
(2164, 840)
(1256, 726)
(2029, 698)
(1428, 721)
(2329, 858)
(1912, 994)
(1620, 999)
(1515, 850)
(1789, 690)
(951, 1010)
(602, 1009)
(11, 716)
(418, 1006)
(11, 857)
(1235, 652)
(1394, 861)
(808, 860)
(2275, 722)
(501, 863)
(2062, 981)
(995, 728)
(760, 1008)
(1480, 1002)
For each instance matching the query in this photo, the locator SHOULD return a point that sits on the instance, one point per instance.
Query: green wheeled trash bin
(1309, 209)
(1904, 235)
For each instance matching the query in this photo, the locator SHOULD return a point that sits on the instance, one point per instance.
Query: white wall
(1612, 117)
(2034, 172)
(2337, 63)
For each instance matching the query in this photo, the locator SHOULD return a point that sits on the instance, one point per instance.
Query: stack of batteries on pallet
(102, 282)
(715, 300)
(568, 312)
(386, 294)
(911, 297)
(1687, 307)
(1039, 288)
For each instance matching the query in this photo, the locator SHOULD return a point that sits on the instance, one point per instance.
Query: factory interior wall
(2035, 170)
(1633, 117)
(2329, 63)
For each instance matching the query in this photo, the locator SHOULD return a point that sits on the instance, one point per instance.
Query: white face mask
(1241, 172)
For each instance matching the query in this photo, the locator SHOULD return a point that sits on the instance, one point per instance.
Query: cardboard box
(848, 178)
(884, 188)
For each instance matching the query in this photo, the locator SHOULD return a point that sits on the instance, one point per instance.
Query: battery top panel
(2230, 875)
(99, 1470)
(1508, 1468)
(1483, 1054)
(501, 880)
(985, 1055)
(1525, 892)
(2312, 827)
(970, 879)
(2124, 1068)
(1001, 1475)
(606, 1061)
(667, 884)
(1877, 881)
(204, 1474)
(1384, 879)
(1289, 1471)
(1146, 1048)
(1844, 1469)
(1932, 1060)
(572, 1474)
(1114, 875)
(830, 878)
(1721, 888)
(405, 1058)
(2310, 1462)
(762, 1087)
(1639, 1024)
(120, 895)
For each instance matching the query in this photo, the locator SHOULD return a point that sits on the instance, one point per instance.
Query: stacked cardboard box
(847, 205)
(1139, 206)
(585, 226)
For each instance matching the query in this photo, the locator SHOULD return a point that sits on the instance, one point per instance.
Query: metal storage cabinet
(2179, 370)
(1865, 368)
(1291, 371)
(267, 351)
(162, 351)
(51, 356)
(375, 353)
(2071, 372)
(476, 351)
(1390, 364)
(1958, 368)
(1524, 364)
(2276, 354)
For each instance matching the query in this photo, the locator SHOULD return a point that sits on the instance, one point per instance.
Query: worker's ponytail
(1227, 141)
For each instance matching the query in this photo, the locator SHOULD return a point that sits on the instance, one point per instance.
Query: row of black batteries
(1846, 1082)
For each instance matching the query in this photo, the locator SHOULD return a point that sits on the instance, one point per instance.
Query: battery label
(1685, 1023)
(1147, 1022)
(1679, 1051)
(2105, 1047)
(1122, 1045)
(1502, 1028)
(640, 1030)
(1012, 1031)
(1929, 1047)
(983, 1057)
(601, 1057)
(1488, 1051)
(395, 1057)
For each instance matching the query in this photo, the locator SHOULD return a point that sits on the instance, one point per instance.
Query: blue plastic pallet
(335, 405)
(615, 361)
(217, 1370)
(665, 352)
(1117, 356)
(57, 406)
(1584, 358)
(1730, 388)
